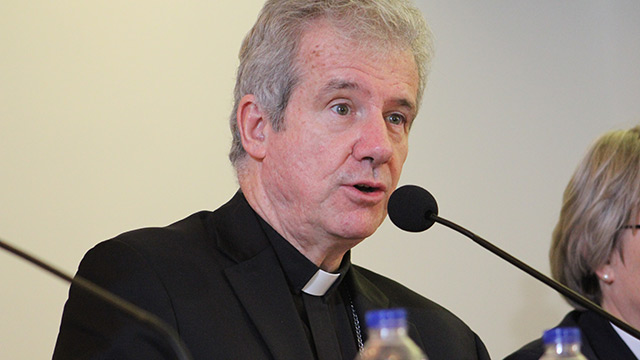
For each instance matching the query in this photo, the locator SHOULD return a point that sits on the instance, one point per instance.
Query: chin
(357, 235)
(358, 229)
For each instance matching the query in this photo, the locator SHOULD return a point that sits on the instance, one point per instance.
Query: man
(325, 97)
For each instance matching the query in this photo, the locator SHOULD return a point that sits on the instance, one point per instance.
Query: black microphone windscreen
(410, 208)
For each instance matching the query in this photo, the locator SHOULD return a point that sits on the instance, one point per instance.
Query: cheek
(631, 256)
(633, 264)
(400, 155)
(403, 151)
(327, 152)
(307, 161)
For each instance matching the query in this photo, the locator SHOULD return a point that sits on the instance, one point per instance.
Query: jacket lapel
(259, 282)
(603, 340)
(264, 293)
(367, 296)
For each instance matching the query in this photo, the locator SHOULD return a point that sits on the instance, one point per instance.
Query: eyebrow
(405, 103)
(337, 84)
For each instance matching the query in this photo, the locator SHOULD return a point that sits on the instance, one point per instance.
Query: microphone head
(410, 208)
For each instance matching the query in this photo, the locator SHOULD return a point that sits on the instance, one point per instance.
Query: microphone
(130, 309)
(412, 208)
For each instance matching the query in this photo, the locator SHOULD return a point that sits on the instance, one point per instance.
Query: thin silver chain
(356, 323)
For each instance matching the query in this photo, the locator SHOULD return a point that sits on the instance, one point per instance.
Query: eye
(396, 119)
(341, 109)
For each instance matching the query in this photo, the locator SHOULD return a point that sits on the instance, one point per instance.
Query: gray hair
(602, 196)
(268, 67)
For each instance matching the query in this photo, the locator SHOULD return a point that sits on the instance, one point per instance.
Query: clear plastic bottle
(388, 338)
(562, 343)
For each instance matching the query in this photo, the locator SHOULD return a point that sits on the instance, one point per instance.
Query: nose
(373, 143)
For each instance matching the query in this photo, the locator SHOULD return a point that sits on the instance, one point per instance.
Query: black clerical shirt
(330, 314)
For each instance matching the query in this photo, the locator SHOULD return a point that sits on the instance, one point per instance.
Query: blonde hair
(268, 66)
(602, 196)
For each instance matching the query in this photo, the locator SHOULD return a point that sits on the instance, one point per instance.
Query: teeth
(365, 188)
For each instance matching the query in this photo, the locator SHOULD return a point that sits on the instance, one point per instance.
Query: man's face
(331, 170)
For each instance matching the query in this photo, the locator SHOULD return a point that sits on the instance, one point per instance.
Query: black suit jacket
(599, 340)
(215, 278)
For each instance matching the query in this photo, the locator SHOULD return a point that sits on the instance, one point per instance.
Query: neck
(630, 317)
(324, 250)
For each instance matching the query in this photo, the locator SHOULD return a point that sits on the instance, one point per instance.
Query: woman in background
(595, 247)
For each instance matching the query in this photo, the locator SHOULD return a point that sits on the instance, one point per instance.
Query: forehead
(324, 50)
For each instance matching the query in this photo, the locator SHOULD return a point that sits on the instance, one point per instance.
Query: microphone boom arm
(562, 289)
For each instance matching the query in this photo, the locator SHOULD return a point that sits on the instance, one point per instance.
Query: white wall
(113, 116)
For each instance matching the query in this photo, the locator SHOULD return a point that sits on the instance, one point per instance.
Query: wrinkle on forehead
(337, 84)
(315, 37)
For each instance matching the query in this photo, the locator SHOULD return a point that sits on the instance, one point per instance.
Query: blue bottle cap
(562, 335)
(386, 318)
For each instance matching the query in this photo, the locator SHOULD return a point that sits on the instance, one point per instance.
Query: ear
(251, 125)
(605, 273)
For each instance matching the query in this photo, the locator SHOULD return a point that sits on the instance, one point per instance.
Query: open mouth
(365, 188)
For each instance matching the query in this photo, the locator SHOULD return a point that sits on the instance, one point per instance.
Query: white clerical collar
(632, 342)
(319, 283)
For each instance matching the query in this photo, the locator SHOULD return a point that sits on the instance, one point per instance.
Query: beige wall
(113, 116)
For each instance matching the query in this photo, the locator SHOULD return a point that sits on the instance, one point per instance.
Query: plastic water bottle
(388, 338)
(562, 343)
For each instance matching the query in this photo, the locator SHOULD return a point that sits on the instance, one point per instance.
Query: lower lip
(373, 197)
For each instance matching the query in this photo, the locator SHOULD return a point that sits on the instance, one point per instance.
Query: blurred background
(113, 116)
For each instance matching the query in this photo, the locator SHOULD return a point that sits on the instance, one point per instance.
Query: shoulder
(232, 232)
(395, 291)
(186, 232)
(138, 252)
(530, 351)
(145, 244)
(204, 242)
(401, 296)
(534, 349)
(443, 335)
